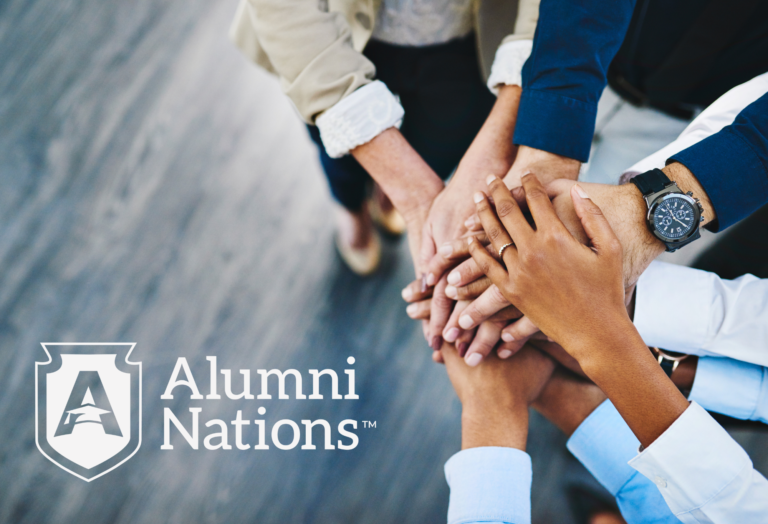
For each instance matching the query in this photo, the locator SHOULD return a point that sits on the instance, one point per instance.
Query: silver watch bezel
(656, 199)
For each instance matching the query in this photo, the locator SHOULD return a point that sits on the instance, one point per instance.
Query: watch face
(674, 217)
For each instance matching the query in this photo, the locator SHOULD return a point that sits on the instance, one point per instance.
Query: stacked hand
(576, 294)
(480, 300)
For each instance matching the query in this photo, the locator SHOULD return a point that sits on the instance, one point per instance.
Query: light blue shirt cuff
(604, 444)
(489, 485)
(729, 386)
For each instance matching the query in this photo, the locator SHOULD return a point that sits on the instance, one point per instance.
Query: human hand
(625, 209)
(496, 394)
(492, 151)
(405, 178)
(491, 308)
(564, 287)
(575, 293)
(547, 166)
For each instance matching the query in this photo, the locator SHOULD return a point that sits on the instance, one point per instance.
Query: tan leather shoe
(362, 261)
(386, 217)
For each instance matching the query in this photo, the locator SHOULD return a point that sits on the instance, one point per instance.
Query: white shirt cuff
(692, 311)
(489, 484)
(507, 68)
(694, 462)
(358, 118)
(604, 444)
(730, 387)
(674, 307)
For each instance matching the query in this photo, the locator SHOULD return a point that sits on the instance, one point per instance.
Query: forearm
(403, 175)
(496, 136)
(619, 362)
(626, 211)
(567, 400)
(546, 166)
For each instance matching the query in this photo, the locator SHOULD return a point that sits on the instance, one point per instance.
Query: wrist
(626, 211)
(481, 427)
(545, 165)
(596, 350)
(403, 175)
(686, 181)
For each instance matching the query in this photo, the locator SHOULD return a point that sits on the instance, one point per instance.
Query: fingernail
(407, 293)
(490, 179)
(454, 277)
(462, 348)
(451, 335)
(411, 310)
(423, 283)
(469, 222)
(437, 341)
(505, 353)
(446, 249)
(431, 279)
(506, 337)
(580, 191)
(466, 322)
(473, 359)
(478, 197)
(450, 291)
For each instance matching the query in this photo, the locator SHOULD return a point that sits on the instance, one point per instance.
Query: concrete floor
(158, 189)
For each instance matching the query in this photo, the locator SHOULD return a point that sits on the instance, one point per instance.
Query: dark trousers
(445, 101)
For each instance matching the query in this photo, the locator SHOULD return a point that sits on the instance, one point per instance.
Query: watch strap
(667, 365)
(651, 181)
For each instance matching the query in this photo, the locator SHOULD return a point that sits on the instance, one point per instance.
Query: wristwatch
(668, 360)
(673, 216)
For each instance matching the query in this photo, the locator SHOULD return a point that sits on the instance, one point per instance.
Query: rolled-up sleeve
(489, 485)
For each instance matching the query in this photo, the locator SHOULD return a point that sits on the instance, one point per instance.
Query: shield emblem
(88, 406)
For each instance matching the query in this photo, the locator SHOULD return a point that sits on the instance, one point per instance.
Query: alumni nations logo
(88, 407)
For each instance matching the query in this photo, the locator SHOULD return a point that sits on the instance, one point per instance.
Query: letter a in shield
(88, 406)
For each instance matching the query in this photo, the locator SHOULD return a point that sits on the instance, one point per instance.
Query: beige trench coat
(315, 47)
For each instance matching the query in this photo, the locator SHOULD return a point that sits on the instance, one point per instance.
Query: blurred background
(157, 188)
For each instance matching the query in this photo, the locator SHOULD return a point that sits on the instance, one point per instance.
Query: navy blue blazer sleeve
(732, 165)
(565, 75)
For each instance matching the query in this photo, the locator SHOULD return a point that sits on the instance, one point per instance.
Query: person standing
(393, 89)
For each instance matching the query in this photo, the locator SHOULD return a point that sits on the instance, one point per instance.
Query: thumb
(427, 250)
(593, 221)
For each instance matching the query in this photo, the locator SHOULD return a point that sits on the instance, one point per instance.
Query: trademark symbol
(369, 425)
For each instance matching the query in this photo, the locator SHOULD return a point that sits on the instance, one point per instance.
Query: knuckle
(505, 208)
(535, 193)
(496, 296)
(614, 246)
(592, 209)
(493, 233)
(530, 257)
